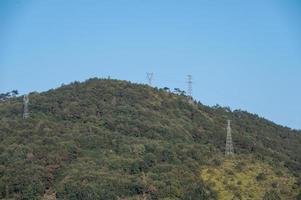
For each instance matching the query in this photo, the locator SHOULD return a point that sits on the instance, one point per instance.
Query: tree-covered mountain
(109, 139)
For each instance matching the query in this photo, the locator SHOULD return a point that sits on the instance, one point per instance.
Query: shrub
(261, 177)
(272, 195)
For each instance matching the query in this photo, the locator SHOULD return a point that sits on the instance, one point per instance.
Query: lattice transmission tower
(150, 77)
(189, 88)
(229, 143)
(25, 102)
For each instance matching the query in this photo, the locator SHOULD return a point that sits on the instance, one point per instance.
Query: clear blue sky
(242, 54)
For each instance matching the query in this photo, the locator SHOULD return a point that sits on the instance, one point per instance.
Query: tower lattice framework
(189, 88)
(150, 77)
(229, 143)
(25, 101)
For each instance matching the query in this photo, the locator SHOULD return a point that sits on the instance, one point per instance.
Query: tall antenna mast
(25, 102)
(229, 144)
(150, 77)
(189, 89)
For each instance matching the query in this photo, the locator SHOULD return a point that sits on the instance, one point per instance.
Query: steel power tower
(189, 88)
(229, 144)
(25, 102)
(150, 77)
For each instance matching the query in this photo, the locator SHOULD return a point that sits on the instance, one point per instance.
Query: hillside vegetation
(109, 139)
(247, 179)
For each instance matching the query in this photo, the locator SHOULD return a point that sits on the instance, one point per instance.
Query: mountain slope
(109, 139)
(247, 178)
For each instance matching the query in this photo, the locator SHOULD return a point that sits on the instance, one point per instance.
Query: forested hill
(109, 139)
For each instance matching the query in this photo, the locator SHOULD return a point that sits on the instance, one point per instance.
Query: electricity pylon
(150, 77)
(25, 102)
(189, 88)
(229, 144)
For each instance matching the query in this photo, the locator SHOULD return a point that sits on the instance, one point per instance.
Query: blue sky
(242, 54)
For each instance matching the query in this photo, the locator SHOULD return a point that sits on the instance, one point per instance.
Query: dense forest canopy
(110, 139)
